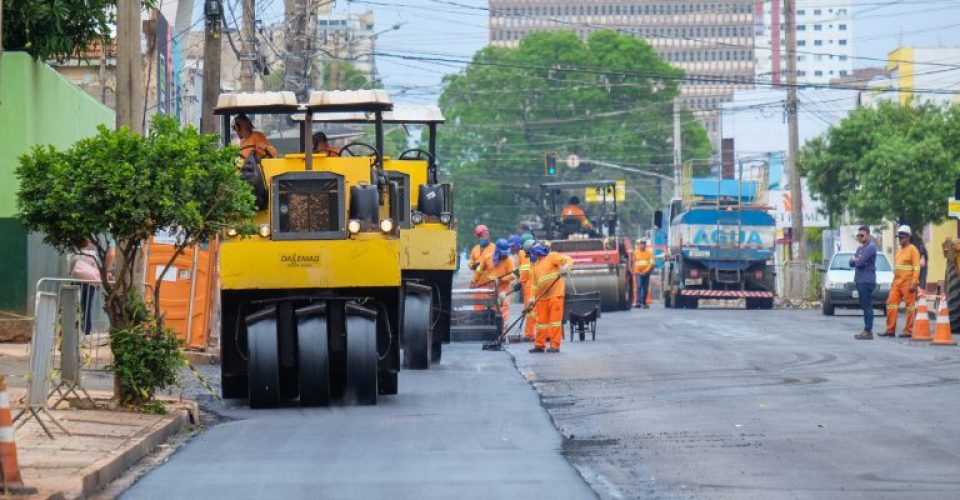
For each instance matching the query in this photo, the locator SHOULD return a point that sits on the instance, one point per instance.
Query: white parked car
(839, 289)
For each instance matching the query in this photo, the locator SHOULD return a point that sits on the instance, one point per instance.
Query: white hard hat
(904, 229)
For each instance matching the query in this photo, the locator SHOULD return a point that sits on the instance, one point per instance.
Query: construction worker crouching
(524, 265)
(906, 278)
(547, 272)
(497, 271)
(642, 267)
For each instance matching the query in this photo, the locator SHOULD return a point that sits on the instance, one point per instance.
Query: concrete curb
(98, 475)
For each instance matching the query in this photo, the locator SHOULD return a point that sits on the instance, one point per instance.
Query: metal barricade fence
(94, 345)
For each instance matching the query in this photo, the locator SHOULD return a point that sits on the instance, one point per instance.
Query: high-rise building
(713, 41)
(925, 75)
(824, 40)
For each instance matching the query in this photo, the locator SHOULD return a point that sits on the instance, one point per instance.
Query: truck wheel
(759, 303)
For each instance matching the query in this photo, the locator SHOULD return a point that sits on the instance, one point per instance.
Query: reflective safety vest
(500, 274)
(642, 262)
(524, 267)
(545, 272)
(906, 268)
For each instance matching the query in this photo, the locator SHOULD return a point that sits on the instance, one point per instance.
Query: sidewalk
(104, 442)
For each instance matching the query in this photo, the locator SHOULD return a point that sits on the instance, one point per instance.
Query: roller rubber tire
(436, 352)
(313, 349)
(417, 337)
(952, 285)
(263, 364)
(362, 376)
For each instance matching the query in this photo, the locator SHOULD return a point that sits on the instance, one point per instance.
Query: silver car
(839, 289)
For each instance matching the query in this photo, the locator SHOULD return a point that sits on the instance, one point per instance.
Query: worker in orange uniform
(523, 259)
(497, 271)
(573, 210)
(906, 278)
(252, 140)
(547, 272)
(642, 268)
(481, 250)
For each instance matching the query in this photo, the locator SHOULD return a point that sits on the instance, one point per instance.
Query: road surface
(471, 428)
(753, 404)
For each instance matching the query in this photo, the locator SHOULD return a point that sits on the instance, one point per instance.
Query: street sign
(573, 161)
(596, 195)
(953, 207)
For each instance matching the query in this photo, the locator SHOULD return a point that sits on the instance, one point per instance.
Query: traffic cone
(921, 325)
(942, 335)
(9, 469)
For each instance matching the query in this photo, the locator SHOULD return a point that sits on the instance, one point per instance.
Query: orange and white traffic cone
(921, 325)
(9, 468)
(942, 335)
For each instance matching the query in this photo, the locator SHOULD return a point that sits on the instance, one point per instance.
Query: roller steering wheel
(417, 154)
(347, 150)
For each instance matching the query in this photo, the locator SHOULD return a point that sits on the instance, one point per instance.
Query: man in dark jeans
(865, 277)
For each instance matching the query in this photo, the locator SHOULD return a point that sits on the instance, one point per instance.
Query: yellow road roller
(312, 304)
(428, 236)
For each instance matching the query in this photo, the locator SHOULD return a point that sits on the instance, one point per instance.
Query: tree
(891, 162)
(608, 98)
(121, 187)
(56, 29)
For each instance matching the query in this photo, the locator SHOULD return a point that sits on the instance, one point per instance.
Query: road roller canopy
(257, 103)
(401, 114)
(349, 101)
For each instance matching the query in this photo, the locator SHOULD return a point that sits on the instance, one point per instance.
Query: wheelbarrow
(581, 311)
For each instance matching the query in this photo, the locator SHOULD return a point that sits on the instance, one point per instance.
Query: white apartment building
(824, 40)
(711, 40)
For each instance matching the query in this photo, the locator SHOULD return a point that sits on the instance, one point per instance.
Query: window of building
(801, 27)
(842, 42)
(817, 27)
(843, 27)
(801, 43)
(801, 73)
(843, 58)
(842, 11)
(816, 12)
(818, 73)
(843, 72)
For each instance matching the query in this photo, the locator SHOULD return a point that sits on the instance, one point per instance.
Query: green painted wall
(37, 106)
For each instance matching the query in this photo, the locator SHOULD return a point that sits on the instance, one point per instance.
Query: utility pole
(211, 66)
(248, 52)
(129, 67)
(295, 60)
(796, 194)
(104, 45)
(677, 148)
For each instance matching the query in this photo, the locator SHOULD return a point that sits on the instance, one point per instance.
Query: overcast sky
(453, 28)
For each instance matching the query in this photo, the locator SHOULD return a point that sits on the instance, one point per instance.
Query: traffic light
(550, 164)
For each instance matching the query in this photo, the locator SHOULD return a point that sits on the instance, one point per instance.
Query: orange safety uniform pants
(900, 290)
(530, 324)
(503, 297)
(549, 322)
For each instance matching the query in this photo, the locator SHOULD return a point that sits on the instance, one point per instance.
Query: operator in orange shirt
(548, 271)
(322, 145)
(642, 267)
(906, 278)
(530, 325)
(497, 271)
(573, 210)
(252, 140)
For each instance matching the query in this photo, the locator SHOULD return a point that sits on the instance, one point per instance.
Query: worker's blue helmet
(540, 249)
(514, 241)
